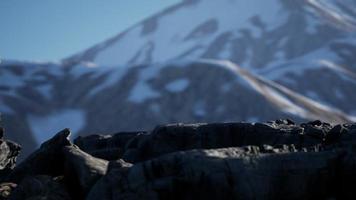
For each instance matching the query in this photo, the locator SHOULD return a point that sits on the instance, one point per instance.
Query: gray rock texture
(274, 160)
(8, 153)
(231, 173)
(47, 160)
(82, 170)
(40, 187)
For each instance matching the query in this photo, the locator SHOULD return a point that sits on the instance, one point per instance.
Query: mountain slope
(282, 40)
(40, 98)
(250, 33)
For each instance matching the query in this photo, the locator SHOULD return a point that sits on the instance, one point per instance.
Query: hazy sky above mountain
(53, 29)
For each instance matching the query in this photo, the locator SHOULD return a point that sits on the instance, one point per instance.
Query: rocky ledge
(273, 160)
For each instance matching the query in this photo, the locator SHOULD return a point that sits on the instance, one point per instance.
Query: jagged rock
(139, 146)
(231, 173)
(104, 187)
(82, 170)
(274, 160)
(40, 188)
(342, 134)
(334, 135)
(316, 129)
(180, 137)
(47, 160)
(8, 154)
(109, 147)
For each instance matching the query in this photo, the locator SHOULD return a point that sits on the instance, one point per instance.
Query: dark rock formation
(105, 187)
(231, 173)
(109, 147)
(8, 153)
(39, 188)
(82, 170)
(180, 137)
(274, 160)
(47, 160)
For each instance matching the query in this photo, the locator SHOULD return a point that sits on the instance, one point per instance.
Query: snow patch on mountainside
(177, 85)
(123, 52)
(207, 19)
(106, 75)
(323, 58)
(143, 90)
(282, 97)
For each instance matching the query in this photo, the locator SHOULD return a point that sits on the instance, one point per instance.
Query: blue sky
(45, 30)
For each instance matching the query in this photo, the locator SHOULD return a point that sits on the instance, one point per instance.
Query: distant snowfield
(177, 85)
(44, 127)
(157, 44)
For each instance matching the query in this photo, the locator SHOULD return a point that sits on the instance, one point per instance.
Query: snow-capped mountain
(198, 61)
(252, 33)
(38, 99)
(282, 40)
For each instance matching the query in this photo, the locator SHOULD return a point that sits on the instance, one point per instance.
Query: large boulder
(230, 173)
(180, 137)
(47, 160)
(81, 170)
(109, 147)
(105, 187)
(40, 187)
(274, 160)
(8, 154)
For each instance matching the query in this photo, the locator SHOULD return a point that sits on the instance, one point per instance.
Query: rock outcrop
(8, 153)
(273, 160)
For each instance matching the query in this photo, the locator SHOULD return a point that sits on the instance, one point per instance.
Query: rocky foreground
(274, 160)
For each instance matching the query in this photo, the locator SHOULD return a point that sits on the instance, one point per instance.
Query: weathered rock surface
(109, 147)
(230, 173)
(274, 160)
(180, 137)
(47, 160)
(8, 153)
(82, 170)
(105, 187)
(40, 188)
